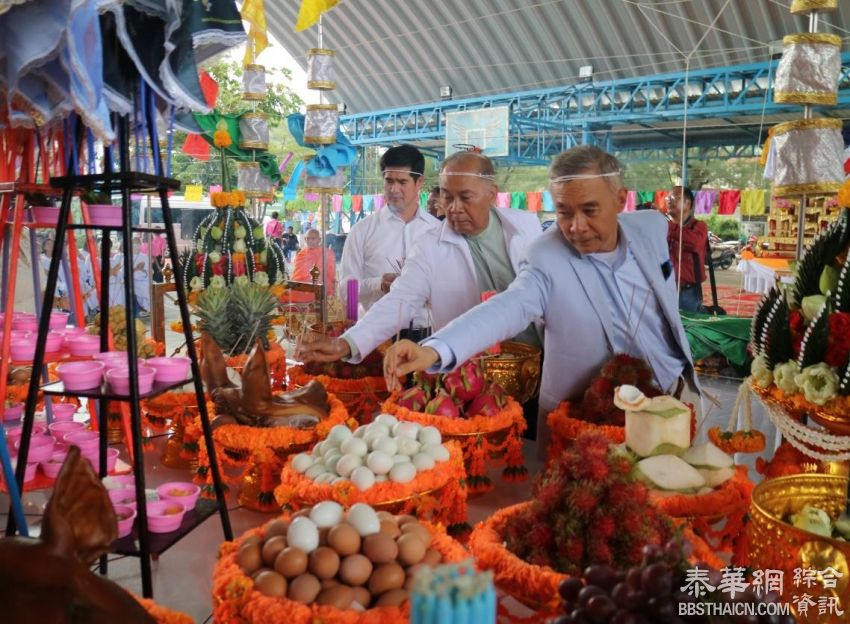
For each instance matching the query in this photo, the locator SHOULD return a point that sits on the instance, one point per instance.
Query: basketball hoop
(467, 147)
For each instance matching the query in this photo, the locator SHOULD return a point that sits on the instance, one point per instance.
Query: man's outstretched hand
(319, 348)
(405, 357)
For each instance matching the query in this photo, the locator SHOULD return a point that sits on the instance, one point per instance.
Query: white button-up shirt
(374, 246)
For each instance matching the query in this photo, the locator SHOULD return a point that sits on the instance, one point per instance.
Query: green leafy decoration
(815, 340)
(760, 318)
(842, 294)
(828, 244)
(776, 339)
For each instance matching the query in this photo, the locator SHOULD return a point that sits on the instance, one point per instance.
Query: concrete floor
(182, 575)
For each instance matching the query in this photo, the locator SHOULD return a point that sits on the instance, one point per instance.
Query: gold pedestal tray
(778, 545)
(516, 369)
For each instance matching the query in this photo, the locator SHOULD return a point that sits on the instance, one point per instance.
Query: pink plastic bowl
(41, 448)
(119, 380)
(58, 320)
(53, 465)
(105, 214)
(27, 322)
(22, 350)
(13, 412)
(29, 473)
(164, 516)
(80, 375)
(183, 492)
(86, 440)
(73, 332)
(119, 362)
(55, 341)
(111, 458)
(13, 434)
(45, 215)
(125, 497)
(60, 429)
(63, 411)
(21, 334)
(170, 369)
(126, 518)
(84, 345)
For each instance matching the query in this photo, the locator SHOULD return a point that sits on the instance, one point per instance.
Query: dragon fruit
(467, 382)
(414, 399)
(442, 405)
(491, 401)
(427, 381)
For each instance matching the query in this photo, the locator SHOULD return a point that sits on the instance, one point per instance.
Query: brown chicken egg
(324, 562)
(432, 557)
(411, 549)
(344, 539)
(386, 577)
(355, 570)
(385, 515)
(404, 519)
(380, 548)
(276, 527)
(362, 596)
(252, 539)
(392, 598)
(418, 529)
(304, 588)
(250, 558)
(272, 548)
(331, 582)
(339, 596)
(271, 584)
(291, 562)
(389, 527)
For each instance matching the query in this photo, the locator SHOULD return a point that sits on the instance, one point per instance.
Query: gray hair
(587, 159)
(482, 164)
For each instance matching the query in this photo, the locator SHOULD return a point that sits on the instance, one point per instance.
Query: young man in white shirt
(377, 246)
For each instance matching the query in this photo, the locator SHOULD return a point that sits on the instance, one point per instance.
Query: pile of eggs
(355, 560)
(385, 450)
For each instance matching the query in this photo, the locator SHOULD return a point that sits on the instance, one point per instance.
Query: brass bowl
(776, 544)
(516, 369)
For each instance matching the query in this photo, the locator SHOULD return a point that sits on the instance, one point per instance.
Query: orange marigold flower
(221, 139)
(844, 195)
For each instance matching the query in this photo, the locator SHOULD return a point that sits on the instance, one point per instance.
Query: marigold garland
(479, 437)
(236, 602)
(362, 396)
(737, 441)
(796, 404)
(224, 199)
(565, 429)
(261, 449)
(163, 615)
(440, 491)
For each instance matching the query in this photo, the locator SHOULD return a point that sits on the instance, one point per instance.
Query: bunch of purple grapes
(649, 593)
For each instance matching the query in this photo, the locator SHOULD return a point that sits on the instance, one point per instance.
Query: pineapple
(235, 316)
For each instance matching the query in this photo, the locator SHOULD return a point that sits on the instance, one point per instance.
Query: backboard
(485, 128)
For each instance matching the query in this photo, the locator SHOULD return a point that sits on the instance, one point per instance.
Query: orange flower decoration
(737, 441)
(565, 429)
(221, 139)
(844, 195)
(163, 615)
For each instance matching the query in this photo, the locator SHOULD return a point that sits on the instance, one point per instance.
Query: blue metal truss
(545, 122)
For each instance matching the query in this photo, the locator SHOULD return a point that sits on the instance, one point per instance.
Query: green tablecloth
(724, 335)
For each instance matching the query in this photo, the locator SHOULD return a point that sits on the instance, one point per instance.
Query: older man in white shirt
(379, 244)
(478, 249)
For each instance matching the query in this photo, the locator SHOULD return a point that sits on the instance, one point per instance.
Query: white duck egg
(339, 433)
(338, 480)
(303, 534)
(315, 470)
(407, 446)
(324, 478)
(301, 463)
(331, 462)
(386, 445)
(437, 451)
(381, 478)
(430, 435)
(406, 429)
(320, 448)
(360, 431)
(404, 472)
(326, 514)
(347, 463)
(363, 478)
(423, 461)
(364, 519)
(387, 420)
(379, 463)
(376, 432)
(401, 459)
(354, 446)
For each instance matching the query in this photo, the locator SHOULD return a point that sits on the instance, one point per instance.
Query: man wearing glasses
(378, 245)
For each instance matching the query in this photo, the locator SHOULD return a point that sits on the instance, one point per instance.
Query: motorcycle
(723, 253)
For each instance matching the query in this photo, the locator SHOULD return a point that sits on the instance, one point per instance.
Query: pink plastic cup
(54, 342)
(22, 350)
(164, 516)
(83, 345)
(41, 448)
(29, 473)
(126, 518)
(80, 375)
(13, 412)
(58, 319)
(170, 369)
(119, 380)
(27, 322)
(105, 214)
(183, 492)
(111, 458)
(45, 215)
(63, 411)
(53, 465)
(73, 332)
(124, 497)
(13, 434)
(61, 428)
(87, 441)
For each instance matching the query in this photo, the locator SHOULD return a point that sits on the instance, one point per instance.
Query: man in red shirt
(694, 242)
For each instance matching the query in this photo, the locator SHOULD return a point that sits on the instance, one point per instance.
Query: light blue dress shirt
(640, 328)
